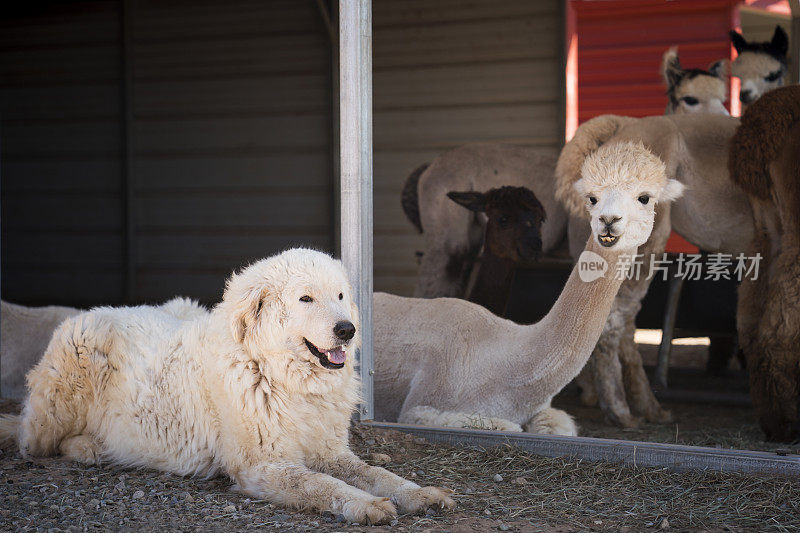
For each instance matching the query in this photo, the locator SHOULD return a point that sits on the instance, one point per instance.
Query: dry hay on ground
(535, 494)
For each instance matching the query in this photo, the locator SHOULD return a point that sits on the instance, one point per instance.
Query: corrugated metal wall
(621, 43)
(60, 135)
(451, 72)
(233, 138)
(231, 145)
(231, 132)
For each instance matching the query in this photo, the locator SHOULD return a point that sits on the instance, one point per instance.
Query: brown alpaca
(765, 162)
(513, 237)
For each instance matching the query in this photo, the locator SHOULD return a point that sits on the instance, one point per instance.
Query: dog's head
(297, 305)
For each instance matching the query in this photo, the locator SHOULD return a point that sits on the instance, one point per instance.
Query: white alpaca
(450, 362)
(261, 389)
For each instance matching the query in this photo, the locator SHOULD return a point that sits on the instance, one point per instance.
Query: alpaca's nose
(609, 220)
(344, 330)
(746, 96)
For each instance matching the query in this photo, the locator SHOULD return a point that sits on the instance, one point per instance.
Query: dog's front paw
(421, 498)
(371, 511)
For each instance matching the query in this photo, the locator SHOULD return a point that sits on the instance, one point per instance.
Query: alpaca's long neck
(558, 346)
(493, 283)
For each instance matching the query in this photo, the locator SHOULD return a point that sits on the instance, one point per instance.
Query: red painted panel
(620, 44)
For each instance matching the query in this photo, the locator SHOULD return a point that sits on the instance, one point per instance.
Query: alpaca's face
(622, 183)
(760, 73)
(699, 94)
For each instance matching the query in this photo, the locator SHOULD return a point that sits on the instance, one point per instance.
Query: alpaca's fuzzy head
(762, 67)
(514, 218)
(694, 90)
(621, 183)
(295, 312)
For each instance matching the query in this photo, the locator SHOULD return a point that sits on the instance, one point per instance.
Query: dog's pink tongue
(336, 356)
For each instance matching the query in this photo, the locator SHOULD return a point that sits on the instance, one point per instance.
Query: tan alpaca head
(621, 183)
(761, 66)
(694, 90)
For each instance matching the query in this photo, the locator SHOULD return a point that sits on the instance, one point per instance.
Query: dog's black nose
(344, 330)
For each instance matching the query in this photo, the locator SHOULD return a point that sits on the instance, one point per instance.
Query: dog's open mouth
(333, 358)
(606, 239)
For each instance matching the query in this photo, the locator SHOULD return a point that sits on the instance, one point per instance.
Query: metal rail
(650, 454)
(355, 141)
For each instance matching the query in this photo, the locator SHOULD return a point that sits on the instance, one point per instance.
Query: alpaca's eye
(690, 100)
(307, 299)
(643, 199)
(341, 296)
(773, 76)
(593, 200)
(503, 220)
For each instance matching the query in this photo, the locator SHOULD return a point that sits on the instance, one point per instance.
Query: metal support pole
(355, 140)
(668, 329)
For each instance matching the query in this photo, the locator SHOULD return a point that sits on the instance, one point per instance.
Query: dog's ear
(247, 303)
(244, 313)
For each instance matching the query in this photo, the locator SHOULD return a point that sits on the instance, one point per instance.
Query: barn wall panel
(448, 73)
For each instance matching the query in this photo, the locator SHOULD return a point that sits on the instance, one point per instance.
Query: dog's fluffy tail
(410, 199)
(9, 427)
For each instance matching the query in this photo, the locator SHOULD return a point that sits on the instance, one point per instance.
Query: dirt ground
(500, 489)
(531, 493)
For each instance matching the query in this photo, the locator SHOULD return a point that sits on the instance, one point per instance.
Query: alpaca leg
(61, 389)
(607, 373)
(640, 395)
(80, 448)
(551, 421)
(586, 383)
(424, 415)
(442, 274)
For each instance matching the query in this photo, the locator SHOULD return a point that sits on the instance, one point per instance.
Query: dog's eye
(592, 200)
(772, 76)
(690, 100)
(307, 299)
(341, 296)
(643, 199)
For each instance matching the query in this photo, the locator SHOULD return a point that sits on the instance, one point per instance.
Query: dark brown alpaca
(513, 236)
(765, 163)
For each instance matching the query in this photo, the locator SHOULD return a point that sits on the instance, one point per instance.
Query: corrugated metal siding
(60, 153)
(232, 145)
(621, 43)
(233, 138)
(758, 25)
(446, 73)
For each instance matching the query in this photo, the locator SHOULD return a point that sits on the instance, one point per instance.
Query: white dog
(261, 388)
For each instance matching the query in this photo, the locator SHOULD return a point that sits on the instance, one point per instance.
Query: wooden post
(355, 140)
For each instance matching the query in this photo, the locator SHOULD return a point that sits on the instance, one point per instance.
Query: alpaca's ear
(671, 68)
(672, 191)
(472, 200)
(580, 187)
(780, 41)
(738, 41)
(719, 69)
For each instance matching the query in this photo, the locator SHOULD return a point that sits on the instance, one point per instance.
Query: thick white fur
(233, 391)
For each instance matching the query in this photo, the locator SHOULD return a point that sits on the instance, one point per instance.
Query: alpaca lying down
(449, 362)
(260, 389)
